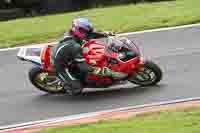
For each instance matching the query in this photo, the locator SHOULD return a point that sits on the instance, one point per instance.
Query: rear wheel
(45, 81)
(151, 75)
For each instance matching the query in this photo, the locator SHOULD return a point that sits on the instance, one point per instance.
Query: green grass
(118, 18)
(187, 121)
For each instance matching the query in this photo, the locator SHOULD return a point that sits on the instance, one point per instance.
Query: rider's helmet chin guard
(81, 28)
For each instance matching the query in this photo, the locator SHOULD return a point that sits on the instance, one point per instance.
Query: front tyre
(44, 81)
(151, 75)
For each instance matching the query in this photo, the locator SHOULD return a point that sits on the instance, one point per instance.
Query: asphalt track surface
(176, 51)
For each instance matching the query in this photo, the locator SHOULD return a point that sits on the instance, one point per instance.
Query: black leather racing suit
(69, 49)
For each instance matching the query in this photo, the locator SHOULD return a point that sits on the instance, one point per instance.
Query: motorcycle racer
(69, 49)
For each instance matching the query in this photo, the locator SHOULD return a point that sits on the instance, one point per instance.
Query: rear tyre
(151, 75)
(44, 81)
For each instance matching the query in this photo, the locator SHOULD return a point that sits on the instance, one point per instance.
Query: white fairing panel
(31, 54)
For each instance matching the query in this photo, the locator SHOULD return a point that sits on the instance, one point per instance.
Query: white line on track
(123, 34)
(88, 115)
(163, 29)
(38, 45)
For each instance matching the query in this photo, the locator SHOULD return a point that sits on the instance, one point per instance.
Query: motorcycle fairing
(31, 54)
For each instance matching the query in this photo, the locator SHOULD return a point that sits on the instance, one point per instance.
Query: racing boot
(73, 87)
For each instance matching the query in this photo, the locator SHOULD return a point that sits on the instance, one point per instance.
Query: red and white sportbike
(117, 53)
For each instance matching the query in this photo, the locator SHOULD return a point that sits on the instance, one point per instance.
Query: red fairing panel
(95, 54)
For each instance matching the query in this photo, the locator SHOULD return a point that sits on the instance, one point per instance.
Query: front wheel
(45, 81)
(151, 75)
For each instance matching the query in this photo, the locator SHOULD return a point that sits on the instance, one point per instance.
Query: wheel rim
(48, 84)
(145, 77)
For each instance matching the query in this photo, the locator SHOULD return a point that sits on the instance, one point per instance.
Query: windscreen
(121, 43)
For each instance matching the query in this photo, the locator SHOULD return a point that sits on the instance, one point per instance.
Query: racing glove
(108, 33)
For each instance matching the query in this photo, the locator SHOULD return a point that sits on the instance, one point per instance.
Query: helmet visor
(85, 30)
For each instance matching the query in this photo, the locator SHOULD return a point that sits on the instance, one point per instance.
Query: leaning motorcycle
(119, 54)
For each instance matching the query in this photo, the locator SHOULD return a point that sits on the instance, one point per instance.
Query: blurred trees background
(74, 4)
(43, 7)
